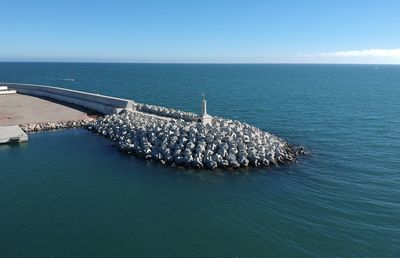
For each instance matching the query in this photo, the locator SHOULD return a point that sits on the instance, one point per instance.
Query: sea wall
(100, 103)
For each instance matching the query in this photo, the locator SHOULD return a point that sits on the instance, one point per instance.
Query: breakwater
(225, 143)
(168, 135)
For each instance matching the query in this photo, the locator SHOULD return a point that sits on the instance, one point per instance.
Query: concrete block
(12, 134)
(5, 92)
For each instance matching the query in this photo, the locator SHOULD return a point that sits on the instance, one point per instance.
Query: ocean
(70, 193)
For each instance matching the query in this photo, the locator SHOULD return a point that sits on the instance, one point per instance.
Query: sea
(71, 193)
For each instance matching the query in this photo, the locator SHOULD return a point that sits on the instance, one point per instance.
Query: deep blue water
(71, 193)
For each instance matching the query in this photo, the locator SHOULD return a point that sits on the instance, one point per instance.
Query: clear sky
(223, 31)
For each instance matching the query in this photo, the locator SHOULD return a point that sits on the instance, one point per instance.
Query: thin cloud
(376, 52)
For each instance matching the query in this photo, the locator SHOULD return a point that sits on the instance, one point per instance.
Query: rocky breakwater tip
(222, 144)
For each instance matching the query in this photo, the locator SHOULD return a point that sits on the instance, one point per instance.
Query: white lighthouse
(205, 118)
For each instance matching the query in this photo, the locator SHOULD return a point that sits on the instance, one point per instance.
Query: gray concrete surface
(22, 109)
(12, 133)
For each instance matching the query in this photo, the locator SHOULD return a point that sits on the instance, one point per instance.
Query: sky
(202, 31)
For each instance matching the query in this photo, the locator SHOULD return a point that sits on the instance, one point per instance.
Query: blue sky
(204, 31)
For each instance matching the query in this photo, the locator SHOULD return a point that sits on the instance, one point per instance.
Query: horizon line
(200, 63)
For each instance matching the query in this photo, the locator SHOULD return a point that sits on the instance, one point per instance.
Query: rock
(53, 126)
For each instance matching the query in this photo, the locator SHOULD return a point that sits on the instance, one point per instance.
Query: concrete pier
(20, 113)
(18, 109)
(12, 134)
(163, 134)
(99, 103)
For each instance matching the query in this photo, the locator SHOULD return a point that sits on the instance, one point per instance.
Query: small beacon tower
(205, 118)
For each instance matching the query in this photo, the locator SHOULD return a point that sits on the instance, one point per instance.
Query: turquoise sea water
(72, 194)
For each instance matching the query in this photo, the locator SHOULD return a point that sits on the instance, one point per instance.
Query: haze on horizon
(178, 31)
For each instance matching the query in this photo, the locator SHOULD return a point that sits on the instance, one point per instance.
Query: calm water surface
(72, 194)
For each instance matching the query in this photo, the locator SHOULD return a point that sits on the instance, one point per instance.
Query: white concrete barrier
(96, 102)
(5, 92)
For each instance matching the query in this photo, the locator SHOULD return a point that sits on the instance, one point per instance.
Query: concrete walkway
(22, 109)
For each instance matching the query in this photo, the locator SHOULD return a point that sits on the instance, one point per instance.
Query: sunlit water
(71, 193)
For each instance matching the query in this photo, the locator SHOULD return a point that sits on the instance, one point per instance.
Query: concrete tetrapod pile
(167, 112)
(225, 143)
